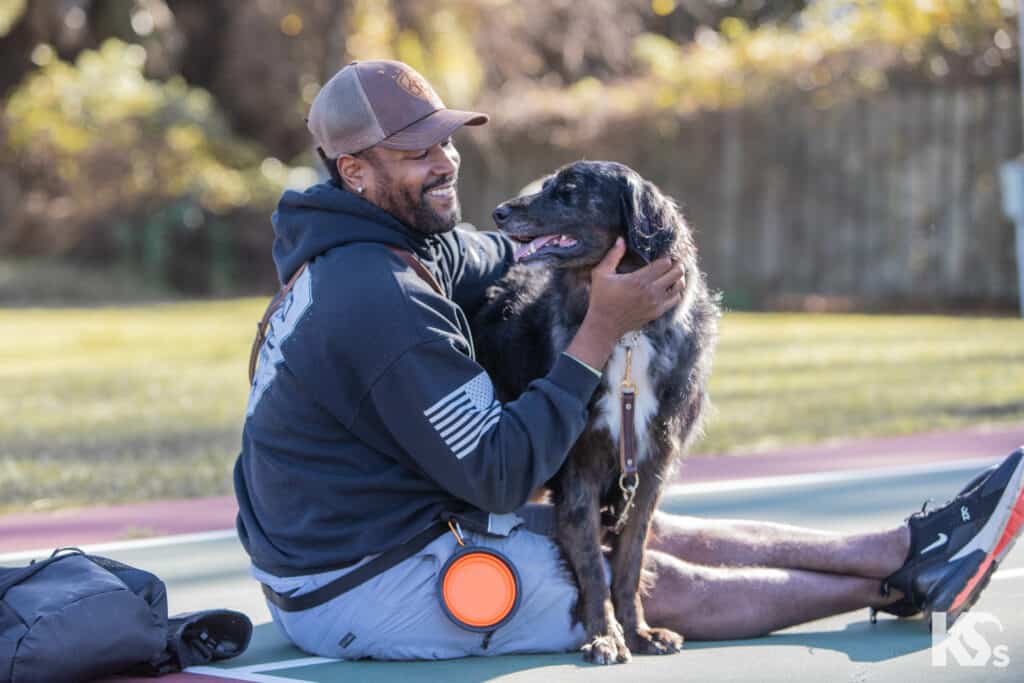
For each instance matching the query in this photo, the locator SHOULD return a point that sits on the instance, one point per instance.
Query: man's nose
(502, 213)
(447, 162)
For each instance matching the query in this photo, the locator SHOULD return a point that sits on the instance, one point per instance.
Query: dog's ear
(648, 219)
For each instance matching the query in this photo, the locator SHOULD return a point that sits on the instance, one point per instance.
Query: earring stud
(359, 190)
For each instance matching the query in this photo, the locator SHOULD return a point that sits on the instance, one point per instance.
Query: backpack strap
(261, 326)
(12, 577)
(275, 303)
(420, 269)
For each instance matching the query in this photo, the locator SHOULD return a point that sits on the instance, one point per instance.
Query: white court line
(254, 672)
(837, 477)
(114, 546)
(1004, 574)
(286, 664)
(239, 675)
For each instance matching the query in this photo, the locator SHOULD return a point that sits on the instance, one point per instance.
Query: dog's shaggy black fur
(533, 314)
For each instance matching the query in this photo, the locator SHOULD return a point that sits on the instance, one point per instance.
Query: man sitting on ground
(340, 463)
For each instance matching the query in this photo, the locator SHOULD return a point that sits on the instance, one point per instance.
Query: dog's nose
(502, 213)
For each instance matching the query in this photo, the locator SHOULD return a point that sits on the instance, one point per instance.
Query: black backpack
(74, 617)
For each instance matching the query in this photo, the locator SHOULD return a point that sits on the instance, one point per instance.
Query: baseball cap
(384, 103)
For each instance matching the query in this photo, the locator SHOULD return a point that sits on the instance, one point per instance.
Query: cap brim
(432, 129)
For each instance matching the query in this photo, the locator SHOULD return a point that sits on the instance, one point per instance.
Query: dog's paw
(656, 641)
(609, 648)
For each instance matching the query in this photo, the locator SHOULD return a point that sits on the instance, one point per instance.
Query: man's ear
(354, 172)
(643, 219)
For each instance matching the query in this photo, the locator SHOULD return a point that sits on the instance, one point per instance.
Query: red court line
(169, 678)
(108, 523)
(917, 449)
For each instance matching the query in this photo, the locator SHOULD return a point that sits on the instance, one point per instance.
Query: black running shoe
(955, 549)
(904, 607)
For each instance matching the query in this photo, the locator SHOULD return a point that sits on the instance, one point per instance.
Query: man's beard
(415, 210)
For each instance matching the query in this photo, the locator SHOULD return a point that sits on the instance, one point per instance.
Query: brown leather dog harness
(275, 303)
(629, 477)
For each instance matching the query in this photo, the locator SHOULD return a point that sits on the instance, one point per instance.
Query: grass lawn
(137, 403)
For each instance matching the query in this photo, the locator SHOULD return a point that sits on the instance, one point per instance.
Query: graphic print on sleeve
(464, 415)
(281, 325)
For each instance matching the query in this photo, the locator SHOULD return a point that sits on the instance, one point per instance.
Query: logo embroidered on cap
(412, 83)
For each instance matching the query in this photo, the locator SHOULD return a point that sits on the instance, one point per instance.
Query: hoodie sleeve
(439, 406)
(478, 260)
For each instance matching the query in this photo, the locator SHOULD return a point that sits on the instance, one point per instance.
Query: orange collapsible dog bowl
(479, 588)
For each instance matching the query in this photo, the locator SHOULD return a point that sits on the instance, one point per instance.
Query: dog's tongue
(528, 249)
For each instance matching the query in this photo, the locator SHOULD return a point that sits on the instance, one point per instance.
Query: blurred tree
(564, 71)
(263, 62)
(832, 48)
(97, 144)
(264, 92)
(560, 41)
(680, 21)
(21, 29)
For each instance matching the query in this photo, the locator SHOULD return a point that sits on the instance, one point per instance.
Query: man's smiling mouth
(443, 191)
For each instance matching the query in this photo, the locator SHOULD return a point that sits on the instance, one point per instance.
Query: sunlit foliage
(199, 104)
(832, 49)
(112, 141)
(438, 40)
(10, 12)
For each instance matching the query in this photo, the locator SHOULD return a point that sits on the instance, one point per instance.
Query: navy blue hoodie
(368, 415)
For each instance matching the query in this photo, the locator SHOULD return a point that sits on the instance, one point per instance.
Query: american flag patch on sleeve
(463, 416)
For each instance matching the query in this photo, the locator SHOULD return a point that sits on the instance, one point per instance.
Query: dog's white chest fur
(609, 407)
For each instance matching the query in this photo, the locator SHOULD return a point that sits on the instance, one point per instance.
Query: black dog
(565, 229)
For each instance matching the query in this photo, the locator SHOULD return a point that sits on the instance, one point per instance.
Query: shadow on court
(860, 641)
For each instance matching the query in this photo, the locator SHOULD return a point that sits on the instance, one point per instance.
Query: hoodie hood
(324, 216)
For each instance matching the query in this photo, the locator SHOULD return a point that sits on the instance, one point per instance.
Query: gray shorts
(397, 614)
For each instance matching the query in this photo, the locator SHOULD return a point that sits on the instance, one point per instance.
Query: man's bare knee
(666, 526)
(676, 591)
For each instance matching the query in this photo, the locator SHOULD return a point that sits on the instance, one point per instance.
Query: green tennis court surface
(210, 571)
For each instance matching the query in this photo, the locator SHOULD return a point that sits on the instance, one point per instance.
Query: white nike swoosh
(940, 541)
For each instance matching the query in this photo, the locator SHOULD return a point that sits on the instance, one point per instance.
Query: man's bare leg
(743, 543)
(720, 603)
(765, 576)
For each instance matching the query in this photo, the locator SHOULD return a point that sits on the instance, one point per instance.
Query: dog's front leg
(627, 565)
(579, 529)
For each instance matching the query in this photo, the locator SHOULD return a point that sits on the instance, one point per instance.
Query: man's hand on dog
(629, 301)
(621, 303)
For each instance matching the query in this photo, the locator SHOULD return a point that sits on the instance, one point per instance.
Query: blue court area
(210, 571)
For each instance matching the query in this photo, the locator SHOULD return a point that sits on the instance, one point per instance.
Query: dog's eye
(567, 188)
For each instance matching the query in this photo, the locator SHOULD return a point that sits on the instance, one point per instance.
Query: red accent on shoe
(1013, 525)
(1012, 528)
(966, 592)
